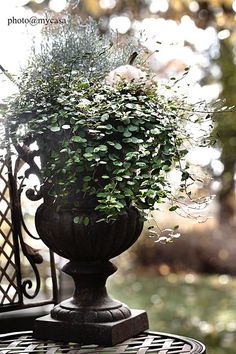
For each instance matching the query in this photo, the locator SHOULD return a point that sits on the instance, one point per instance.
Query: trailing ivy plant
(113, 144)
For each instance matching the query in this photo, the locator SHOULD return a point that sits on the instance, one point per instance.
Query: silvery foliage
(78, 48)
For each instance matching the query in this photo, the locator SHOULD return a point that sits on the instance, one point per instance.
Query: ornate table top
(147, 342)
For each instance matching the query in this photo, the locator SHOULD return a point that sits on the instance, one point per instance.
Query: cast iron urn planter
(90, 316)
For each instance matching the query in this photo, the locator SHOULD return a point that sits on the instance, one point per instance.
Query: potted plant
(107, 138)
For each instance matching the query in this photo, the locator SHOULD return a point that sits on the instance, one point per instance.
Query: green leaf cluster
(115, 145)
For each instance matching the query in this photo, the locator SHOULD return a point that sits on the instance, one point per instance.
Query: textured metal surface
(147, 342)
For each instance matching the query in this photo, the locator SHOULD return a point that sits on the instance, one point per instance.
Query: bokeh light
(58, 5)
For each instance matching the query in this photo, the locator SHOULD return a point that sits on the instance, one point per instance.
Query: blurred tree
(203, 12)
(226, 130)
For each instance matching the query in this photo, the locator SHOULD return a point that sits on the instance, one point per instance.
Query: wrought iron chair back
(18, 291)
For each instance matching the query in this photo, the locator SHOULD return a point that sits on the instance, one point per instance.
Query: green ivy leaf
(104, 117)
(88, 156)
(117, 163)
(87, 179)
(77, 220)
(132, 128)
(102, 147)
(118, 146)
(86, 221)
(173, 208)
(130, 106)
(127, 134)
(120, 129)
(55, 129)
(78, 139)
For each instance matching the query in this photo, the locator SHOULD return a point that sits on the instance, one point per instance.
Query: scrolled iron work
(33, 257)
(20, 189)
(33, 260)
(28, 284)
(25, 288)
(33, 195)
(26, 155)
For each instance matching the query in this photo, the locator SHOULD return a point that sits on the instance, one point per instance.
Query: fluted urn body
(96, 241)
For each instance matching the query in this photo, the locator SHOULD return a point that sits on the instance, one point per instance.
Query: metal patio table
(146, 342)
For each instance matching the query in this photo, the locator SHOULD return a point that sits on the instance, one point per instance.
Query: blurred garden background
(188, 286)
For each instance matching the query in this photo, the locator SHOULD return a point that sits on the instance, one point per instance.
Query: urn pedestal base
(107, 333)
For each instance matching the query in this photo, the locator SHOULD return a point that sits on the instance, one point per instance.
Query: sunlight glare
(58, 5)
(120, 23)
(159, 5)
(20, 2)
(17, 38)
(234, 6)
(217, 167)
(107, 4)
(224, 34)
(194, 6)
(203, 156)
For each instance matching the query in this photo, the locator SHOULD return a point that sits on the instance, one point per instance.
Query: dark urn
(91, 315)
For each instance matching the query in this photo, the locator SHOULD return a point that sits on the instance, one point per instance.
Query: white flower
(84, 102)
(127, 73)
